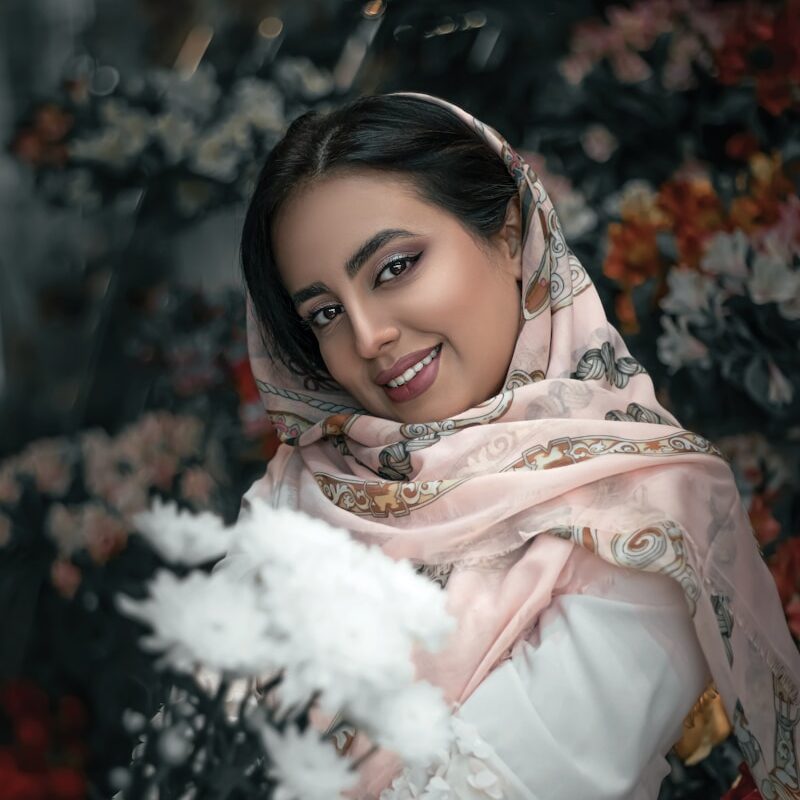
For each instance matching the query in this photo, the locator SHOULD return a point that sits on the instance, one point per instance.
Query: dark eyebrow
(371, 246)
(354, 263)
(307, 292)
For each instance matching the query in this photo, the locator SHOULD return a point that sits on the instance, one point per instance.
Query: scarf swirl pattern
(576, 451)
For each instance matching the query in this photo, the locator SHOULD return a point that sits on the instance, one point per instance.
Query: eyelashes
(397, 267)
(392, 264)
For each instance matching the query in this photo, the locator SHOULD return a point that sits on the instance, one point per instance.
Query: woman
(440, 370)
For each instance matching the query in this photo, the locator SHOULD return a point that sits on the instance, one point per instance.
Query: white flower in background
(782, 239)
(185, 435)
(637, 198)
(303, 76)
(775, 281)
(175, 133)
(221, 151)
(260, 103)
(690, 294)
(678, 348)
(194, 96)
(726, 256)
(779, 390)
(126, 133)
(576, 216)
(208, 620)
(599, 143)
(78, 190)
(181, 537)
(10, 489)
(50, 462)
(307, 767)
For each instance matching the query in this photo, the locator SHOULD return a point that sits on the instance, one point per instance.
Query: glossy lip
(402, 364)
(420, 383)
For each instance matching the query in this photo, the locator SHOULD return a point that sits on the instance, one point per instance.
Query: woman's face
(415, 317)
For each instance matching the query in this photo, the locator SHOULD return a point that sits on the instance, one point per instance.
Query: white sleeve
(589, 705)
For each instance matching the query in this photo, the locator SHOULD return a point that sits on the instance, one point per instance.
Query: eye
(395, 268)
(325, 315)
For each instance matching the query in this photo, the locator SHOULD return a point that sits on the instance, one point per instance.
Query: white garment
(587, 707)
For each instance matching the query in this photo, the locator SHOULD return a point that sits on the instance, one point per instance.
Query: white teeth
(412, 371)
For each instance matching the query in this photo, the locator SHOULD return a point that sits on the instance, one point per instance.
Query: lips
(401, 365)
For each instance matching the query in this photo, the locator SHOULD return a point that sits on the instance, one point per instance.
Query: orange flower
(696, 212)
(632, 253)
(52, 122)
(626, 314)
(741, 146)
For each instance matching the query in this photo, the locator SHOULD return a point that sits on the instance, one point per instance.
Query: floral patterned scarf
(575, 451)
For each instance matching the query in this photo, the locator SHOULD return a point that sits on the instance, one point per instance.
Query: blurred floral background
(667, 131)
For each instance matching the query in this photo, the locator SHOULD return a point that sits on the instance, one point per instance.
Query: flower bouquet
(276, 656)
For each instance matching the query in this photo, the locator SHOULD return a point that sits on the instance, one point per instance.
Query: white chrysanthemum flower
(307, 767)
(678, 348)
(180, 536)
(333, 602)
(205, 619)
(413, 722)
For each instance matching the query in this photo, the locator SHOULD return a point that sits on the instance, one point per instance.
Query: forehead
(321, 225)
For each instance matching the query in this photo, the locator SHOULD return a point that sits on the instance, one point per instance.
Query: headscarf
(575, 451)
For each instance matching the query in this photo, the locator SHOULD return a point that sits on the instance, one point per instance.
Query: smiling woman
(446, 386)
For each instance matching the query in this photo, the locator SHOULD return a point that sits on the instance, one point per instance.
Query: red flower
(20, 785)
(632, 253)
(785, 568)
(21, 697)
(793, 616)
(66, 784)
(245, 382)
(764, 46)
(32, 735)
(741, 146)
(765, 526)
(71, 715)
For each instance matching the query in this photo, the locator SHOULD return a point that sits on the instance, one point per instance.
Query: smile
(414, 369)
(415, 379)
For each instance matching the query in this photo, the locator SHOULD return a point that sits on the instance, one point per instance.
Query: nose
(372, 332)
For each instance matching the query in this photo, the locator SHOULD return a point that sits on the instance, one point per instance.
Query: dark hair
(448, 163)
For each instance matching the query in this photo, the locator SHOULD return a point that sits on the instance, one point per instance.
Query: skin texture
(462, 291)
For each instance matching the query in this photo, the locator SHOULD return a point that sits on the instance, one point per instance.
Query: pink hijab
(575, 452)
